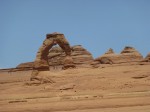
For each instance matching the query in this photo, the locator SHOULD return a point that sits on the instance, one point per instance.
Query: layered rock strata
(41, 61)
(56, 56)
(127, 55)
(26, 65)
(80, 56)
(147, 58)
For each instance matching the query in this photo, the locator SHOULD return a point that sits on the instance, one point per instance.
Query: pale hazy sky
(96, 24)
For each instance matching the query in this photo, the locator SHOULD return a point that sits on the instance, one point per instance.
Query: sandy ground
(104, 89)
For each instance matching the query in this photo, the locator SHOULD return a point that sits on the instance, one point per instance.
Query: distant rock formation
(56, 56)
(83, 58)
(127, 55)
(80, 56)
(147, 58)
(63, 56)
(130, 54)
(107, 58)
(41, 61)
(26, 65)
(110, 51)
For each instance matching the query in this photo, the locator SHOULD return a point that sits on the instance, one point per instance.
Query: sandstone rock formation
(147, 58)
(130, 54)
(41, 61)
(80, 56)
(107, 57)
(26, 65)
(127, 55)
(110, 51)
(56, 58)
(51, 57)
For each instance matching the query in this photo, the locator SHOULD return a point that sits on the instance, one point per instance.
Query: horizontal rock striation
(127, 55)
(56, 56)
(26, 65)
(80, 56)
(147, 58)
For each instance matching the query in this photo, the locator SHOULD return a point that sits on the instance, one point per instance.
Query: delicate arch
(41, 61)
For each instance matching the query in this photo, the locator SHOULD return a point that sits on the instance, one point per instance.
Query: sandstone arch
(41, 61)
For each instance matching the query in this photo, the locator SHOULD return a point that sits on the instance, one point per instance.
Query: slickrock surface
(112, 88)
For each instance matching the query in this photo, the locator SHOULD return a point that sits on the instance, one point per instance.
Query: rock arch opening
(41, 61)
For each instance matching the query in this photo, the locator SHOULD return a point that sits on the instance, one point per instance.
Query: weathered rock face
(80, 56)
(128, 55)
(64, 56)
(129, 49)
(147, 58)
(26, 65)
(110, 51)
(107, 57)
(41, 61)
(56, 58)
